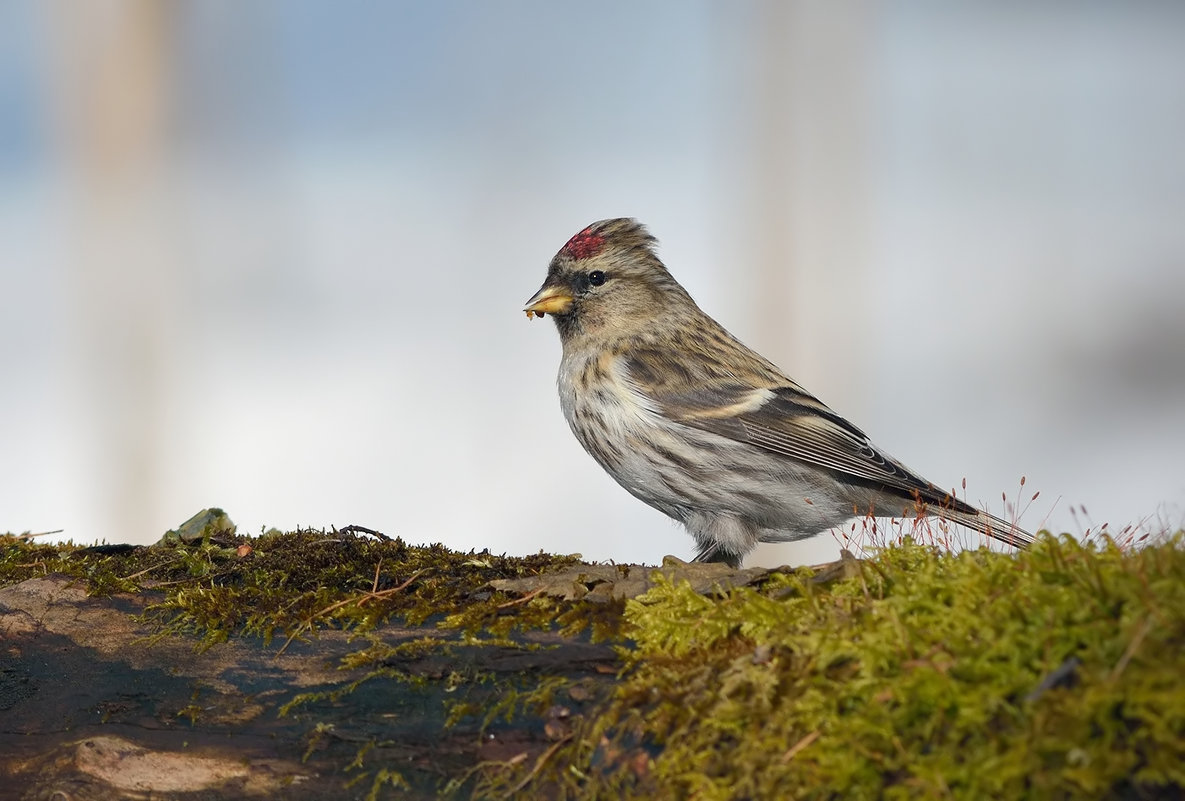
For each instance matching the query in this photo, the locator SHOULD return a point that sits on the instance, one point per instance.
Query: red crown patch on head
(584, 245)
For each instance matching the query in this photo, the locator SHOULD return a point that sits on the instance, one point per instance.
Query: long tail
(994, 527)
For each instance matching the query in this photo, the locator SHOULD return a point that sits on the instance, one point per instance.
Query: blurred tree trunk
(113, 91)
(808, 211)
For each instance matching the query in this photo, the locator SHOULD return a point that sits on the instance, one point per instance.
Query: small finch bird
(692, 422)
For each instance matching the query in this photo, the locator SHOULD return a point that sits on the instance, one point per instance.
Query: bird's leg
(712, 552)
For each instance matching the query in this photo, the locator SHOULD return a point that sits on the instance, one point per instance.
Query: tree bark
(92, 706)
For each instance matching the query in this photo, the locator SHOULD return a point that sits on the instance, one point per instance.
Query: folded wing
(788, 421)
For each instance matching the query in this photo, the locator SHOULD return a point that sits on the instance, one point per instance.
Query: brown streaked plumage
(689, 420)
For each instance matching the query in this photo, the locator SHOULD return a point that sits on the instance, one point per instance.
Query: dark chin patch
(566, 324)
(584, 245)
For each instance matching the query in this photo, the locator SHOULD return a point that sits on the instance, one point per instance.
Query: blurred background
(272, 256)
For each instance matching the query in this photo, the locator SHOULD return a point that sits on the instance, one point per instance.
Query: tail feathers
(994, 527)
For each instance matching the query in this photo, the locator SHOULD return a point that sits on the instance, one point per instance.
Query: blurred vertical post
(809, 203)
(808, 208)
(113, 79)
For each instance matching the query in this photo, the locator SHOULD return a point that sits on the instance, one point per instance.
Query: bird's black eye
(596, 278)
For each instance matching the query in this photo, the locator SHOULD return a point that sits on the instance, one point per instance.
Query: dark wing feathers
(790, 422)
(797, 425)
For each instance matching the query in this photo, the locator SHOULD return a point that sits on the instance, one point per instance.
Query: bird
(692, 422)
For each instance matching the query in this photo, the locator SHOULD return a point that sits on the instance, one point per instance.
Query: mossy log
(328, 665)
(93, 706)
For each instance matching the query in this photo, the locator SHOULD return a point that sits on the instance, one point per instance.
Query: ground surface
(332, 665)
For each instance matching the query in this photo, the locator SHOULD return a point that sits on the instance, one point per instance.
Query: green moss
(295, 583)
(923, 677)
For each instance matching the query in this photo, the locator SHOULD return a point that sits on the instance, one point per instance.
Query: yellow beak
(549, 300)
